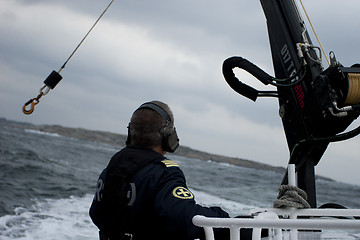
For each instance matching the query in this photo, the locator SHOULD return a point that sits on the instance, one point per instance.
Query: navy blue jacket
(159, 203)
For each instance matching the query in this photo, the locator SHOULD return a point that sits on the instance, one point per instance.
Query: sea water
(47, 183)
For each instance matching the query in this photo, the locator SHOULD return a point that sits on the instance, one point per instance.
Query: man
(143, 195)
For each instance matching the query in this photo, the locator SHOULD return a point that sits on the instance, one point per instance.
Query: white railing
(269, 219)
(279, 220)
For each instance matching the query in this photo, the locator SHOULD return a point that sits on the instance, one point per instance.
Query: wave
(47, 180)
(67, 218)
(53, 219)
(232, 207)
(42, 132)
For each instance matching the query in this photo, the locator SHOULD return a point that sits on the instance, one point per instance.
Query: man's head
(152, 125)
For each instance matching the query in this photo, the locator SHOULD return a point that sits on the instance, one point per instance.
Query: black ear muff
(170, 140)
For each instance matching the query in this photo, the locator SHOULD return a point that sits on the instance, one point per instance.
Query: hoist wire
(46, 88)
(313, 29)
(72, 54)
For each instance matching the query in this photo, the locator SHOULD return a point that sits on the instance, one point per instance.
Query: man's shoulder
(169, 163)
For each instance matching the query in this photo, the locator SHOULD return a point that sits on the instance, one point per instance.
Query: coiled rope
(291, 196)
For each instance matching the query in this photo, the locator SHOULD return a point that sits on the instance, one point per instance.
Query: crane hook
(33, 102)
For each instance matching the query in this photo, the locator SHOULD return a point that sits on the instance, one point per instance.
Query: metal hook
(31, 108)
(33, 102)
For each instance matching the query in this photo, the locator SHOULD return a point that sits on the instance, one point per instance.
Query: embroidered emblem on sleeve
(182, 193)
(169, 163)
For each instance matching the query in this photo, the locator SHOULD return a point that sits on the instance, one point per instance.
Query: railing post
(292, 182)
(209, 233)
(234, 232)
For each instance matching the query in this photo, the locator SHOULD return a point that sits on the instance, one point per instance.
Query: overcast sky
(164, 50)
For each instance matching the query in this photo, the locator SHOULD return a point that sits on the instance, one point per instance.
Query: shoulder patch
(182, 193)
(169, 163)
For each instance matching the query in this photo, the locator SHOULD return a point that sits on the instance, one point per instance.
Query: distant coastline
(119, 140)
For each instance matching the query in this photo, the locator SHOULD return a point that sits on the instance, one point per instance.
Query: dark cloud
(165, 50)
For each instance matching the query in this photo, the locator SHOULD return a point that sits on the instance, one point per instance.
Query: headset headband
(170, 140)
(157, 109)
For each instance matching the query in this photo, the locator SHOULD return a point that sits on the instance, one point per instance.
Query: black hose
(236, 84)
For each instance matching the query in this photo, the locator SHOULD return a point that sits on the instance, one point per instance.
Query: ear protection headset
(170, 140)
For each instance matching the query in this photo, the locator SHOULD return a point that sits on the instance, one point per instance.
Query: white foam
(51, 219)
(232, 207)
(42, 132)
(58, 219)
